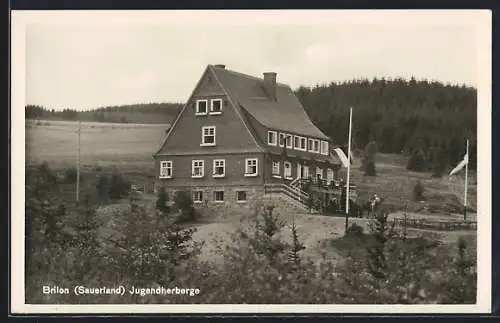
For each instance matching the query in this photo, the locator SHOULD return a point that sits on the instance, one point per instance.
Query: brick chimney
(270, 84)
(220, 66)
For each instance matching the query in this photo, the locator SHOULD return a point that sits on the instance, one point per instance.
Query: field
(129, 147)
(126, 146)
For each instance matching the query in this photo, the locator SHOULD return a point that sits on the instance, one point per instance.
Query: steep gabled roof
(286, 113)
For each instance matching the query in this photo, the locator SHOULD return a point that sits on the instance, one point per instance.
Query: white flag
(343, 158)
(460, 165)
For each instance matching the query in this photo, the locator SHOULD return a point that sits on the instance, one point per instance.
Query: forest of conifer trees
(429, 121)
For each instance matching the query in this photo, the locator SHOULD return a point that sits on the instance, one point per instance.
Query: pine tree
(296, 247)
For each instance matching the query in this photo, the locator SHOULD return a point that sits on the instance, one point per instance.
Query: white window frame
(275, 136)
(212, 112)
(215, 195)
(282, 135)
(330, 175)
(203, 135)
(247, 167)
(193, 196)
(300, 139)
(273, 168)
(319, 171)
(324, 147)
(241, 201)
(167, 165)
(287, 176)
(310, 145)
(198, 113)
(202, 167)
(289, 136)
(305, 172)
(303, 143)
(318, 143)
(214, 173)
(296, 142)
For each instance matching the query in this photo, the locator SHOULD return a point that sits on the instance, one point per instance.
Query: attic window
(216, 106)
(201, 107)
(208, 136)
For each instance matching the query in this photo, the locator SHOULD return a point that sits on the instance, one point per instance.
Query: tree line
(120, 113)
(417, 117)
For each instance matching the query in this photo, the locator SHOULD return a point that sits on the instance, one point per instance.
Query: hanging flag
(343, 158)
(460, 165)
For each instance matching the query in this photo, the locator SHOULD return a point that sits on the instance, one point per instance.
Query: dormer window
(289, 143)
(201, 107)
(216, 106)
(316, 146)
(324, 147)
(310, 145)
(282, 140)
(300, 143)
(272, 138)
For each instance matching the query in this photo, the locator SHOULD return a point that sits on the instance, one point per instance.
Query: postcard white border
(480, 19)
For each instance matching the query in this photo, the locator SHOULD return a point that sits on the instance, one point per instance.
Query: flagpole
(348, 172)
(466, 175)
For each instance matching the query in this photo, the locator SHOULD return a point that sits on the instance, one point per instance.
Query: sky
(88, 62)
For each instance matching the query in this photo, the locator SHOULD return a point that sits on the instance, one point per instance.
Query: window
(302, 144)
(241, 196)
(219, 196)
(216, 106)
(166, 169)
(319, 172)
(296, 142)
(276, 168)
(272, 138)
(289, 143)
(310, 145)
(316, 146)
(198, 168)
(251, 167)
(208, 136)
(219, 168)
(329, 175)
(197, 196)
(201, 107)
(288, 170)
(305, 172)
(324, 147)
(282, 140)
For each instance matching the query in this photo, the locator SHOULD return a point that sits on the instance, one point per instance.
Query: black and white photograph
(253, 161)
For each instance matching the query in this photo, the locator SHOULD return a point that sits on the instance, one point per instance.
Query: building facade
(238, 139)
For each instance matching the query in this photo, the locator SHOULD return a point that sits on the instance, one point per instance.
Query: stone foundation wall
(255, 199)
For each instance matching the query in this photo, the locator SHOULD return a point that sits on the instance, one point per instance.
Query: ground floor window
(241, 196)
(330, 175)
(219, 196)
(276, 168)
(305, 172)
(288, 169)
(197, 196)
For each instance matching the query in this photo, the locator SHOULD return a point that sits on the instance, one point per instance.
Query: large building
(241, 139)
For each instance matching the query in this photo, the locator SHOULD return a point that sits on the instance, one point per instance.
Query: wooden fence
(436, 224)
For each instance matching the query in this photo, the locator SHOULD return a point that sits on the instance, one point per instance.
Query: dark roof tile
(286, 113)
